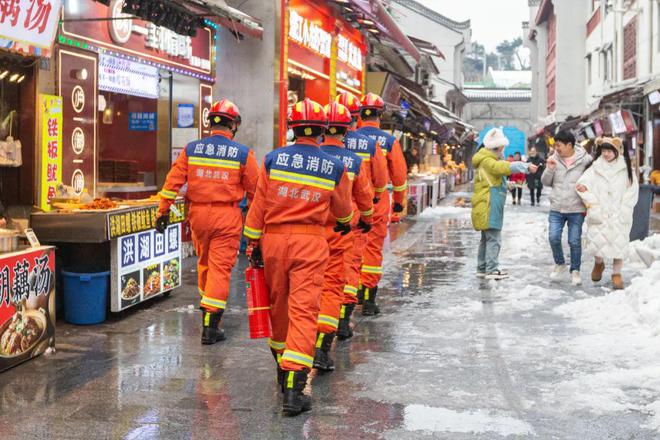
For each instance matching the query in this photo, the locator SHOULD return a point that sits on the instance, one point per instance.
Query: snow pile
(619, 353)
(444, 211)
(646, 251)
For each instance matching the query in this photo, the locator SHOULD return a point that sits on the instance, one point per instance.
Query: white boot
(558, 272)
(576, 280)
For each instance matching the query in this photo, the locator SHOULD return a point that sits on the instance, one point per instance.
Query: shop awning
(383, 25)
(231, 18)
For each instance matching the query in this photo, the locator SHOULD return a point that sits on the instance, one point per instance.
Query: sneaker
(514, 202)
(576, 280)
(558, 272)
(497, 275)
(481, 274)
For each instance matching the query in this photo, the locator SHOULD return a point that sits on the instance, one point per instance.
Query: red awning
(385, 24)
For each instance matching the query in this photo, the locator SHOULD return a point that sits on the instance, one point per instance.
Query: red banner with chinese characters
(351, 56)
(29, 23)
(78, 89)
(27, 305)
(137, 38)
(50, 114)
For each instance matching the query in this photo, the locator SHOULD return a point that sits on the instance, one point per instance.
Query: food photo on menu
(130, 288)
(151, 276)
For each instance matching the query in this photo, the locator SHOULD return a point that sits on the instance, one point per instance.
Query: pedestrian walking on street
(516, 181)
(375, 167)
(219, 172)
(340, 243)
(534, 179)
(563, 169)
(299, 186)
(489, 199)
(371, 111)
(609, 189)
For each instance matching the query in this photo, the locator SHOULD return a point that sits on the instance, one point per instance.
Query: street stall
(120, 237)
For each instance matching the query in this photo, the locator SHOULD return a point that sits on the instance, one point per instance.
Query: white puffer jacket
(610, 199)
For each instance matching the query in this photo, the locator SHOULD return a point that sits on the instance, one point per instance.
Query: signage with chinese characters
(142, 121)
(617, 122)
(185, 115)
(147, 264)
(139, 219)
(137, 38)
(309, 34)
(119, 75)
(27, 305)
(51, 147)
(349, 53)
(32, 22)
(77, 86)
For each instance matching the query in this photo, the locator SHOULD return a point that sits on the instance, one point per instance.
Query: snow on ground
(444, 211)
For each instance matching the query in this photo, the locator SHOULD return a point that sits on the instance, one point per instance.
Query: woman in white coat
(609, 189)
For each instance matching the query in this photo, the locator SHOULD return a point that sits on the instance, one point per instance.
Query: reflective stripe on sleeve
(346, 219)
(328, 320)
(298, 358)
(400, 188)
(212, 302)
(252, 233)
(166, 194)
(372, 269)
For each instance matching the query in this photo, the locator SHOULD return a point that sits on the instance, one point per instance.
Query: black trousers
(535, 186)
(517, 190)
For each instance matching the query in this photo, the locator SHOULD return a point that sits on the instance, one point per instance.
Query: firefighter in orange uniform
(371, 110)
(219, 171)
(376, 169)
(299, 186)
(332, 298)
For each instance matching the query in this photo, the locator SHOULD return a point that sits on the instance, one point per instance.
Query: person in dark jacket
(412, 157)
(534, 179)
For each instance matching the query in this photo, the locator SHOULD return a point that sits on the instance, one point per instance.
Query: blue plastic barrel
(85, 297)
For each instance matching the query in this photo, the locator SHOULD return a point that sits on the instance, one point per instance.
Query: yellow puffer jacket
(490, 192)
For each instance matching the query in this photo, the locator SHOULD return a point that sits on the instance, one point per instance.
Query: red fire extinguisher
(258, 303)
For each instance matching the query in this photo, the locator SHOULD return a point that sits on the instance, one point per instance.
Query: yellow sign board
(50, 113)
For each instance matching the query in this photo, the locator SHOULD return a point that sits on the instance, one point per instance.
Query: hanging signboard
(617, 123)
(120, 75)
(27, 305)
(147, 264)
(50, 114)
(137, 38)
(32, 22)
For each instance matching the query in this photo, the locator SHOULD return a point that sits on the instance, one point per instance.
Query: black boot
(211, 332)
(344, 330)
(322, 360)
(369, 308)
(280, 372)
(295, 401)
(360, 295)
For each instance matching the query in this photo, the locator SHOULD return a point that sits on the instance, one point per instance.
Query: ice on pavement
(430, 419)
(441, 211)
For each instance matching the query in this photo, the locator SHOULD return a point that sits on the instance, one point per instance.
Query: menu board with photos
(146, 264)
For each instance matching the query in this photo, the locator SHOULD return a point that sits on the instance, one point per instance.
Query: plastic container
(85, 297)
(258, 303)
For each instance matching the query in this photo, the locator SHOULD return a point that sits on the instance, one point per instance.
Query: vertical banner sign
(205, 102)
(78, 89)
(50, 113)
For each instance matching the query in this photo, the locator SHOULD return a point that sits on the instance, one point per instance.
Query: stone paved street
(451, 357)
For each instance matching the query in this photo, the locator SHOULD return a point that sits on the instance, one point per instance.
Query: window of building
(588, 58)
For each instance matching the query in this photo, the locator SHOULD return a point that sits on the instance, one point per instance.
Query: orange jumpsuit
(219, 172)
(372, 264)
(339, 245)
(376, 169)
(298, 187)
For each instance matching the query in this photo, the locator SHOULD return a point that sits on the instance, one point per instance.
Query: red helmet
(372, 102)
(307, 113)
(224, 109)
(338, 115)
(350, 101)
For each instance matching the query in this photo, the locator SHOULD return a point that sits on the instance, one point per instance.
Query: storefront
(321, 55)
(134, 94)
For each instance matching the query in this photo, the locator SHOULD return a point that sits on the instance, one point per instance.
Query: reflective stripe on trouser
(334, 280)
(293, 266)
(216, 233)
(353, 264)
(372, 260)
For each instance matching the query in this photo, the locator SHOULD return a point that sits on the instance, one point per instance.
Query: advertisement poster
(185, 115)
(51, 147)
(27, 305)
(142, 121)
(147, 264)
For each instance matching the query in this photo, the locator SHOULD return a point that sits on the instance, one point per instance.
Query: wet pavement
(451, 357)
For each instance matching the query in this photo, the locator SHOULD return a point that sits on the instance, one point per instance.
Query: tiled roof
(483, 95)
(435, 16)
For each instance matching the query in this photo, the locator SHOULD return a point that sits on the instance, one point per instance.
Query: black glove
(254, 255)
(376, 200)
(398, 207)
(162, 222)
(364, 226)
(342, 228)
